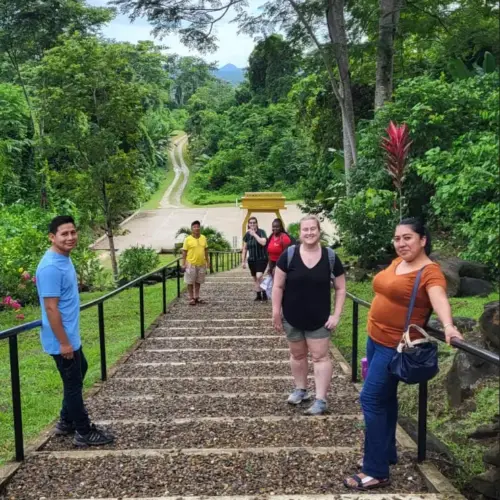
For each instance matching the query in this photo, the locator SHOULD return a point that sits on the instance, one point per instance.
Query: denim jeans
(379, 400)
(72, 373)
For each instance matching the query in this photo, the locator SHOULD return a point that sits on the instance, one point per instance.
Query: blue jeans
(72, 373)
(379, 400)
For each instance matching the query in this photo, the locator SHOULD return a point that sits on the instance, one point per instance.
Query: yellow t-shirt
(195, 248)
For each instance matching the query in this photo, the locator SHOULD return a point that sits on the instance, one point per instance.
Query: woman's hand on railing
(451, 332)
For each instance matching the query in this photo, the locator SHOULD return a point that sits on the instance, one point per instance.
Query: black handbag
(415, 361)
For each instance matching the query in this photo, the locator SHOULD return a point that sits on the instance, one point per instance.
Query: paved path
(199, 409)
(172, 196)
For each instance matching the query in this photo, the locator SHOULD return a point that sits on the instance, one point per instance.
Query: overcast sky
(233, 48)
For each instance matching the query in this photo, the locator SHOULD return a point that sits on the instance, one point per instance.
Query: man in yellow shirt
(195, 262)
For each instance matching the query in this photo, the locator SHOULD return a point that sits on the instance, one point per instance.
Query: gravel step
(207, 323)
(227, 313)
(215, 369)
(218, 331)
(167, 407)
(268, 342)
(240, 433)
(119, 386)
(146, 356)
(297, 472)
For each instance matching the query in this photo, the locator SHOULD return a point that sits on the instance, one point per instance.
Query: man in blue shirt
(57, 287)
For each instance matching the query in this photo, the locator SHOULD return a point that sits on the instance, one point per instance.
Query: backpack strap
(290, 252)
(331, 260)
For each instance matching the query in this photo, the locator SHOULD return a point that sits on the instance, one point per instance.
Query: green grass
(41, 387)
(154, 202)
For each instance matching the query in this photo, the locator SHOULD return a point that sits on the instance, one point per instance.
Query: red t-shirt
(277, 245)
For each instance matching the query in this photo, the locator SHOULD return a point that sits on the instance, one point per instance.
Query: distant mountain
(230, 73)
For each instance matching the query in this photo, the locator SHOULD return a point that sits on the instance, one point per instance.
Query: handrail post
(211, 263)
(16, 398)
(141, 307)
(102, 341)
(422, 422)
(164, 289)
(178, 279)
(355, 324)
(232, 259)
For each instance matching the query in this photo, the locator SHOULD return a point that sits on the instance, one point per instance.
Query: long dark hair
(419, 227)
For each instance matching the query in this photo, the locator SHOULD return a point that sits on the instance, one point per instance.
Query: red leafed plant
(396, 147)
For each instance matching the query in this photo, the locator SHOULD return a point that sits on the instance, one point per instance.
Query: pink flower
(33, 280)
(7, 300)
(15, 305)
(20, 317)
(26, 275)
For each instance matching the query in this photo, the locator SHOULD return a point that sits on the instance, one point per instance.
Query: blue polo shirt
(56, 277)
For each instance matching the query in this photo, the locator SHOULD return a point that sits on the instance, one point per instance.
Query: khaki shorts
(195, 274)
(295, 334)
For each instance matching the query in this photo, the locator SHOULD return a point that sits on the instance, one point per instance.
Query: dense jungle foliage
(85, 125)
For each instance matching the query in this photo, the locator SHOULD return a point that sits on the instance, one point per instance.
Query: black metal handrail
(484, 354)
(224, 261)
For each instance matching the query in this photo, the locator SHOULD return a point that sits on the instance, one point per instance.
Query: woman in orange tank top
(386, 321)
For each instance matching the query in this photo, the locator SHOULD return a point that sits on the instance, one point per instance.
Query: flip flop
(200, 301)
(361, 483)
(192, 302)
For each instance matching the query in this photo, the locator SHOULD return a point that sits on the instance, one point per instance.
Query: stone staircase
(199, 410)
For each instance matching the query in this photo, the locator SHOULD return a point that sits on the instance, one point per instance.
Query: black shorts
(257, 266)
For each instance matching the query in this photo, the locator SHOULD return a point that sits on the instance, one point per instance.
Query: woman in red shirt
(278, 242)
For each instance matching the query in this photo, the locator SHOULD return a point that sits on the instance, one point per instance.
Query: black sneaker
(264, 296)
(64, 428)
(95, 437)
(258, 298)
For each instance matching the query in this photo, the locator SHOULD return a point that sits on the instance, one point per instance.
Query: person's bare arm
(441, 305)
(207, 258)
(277, 298)
(340, 294)
(244, 255)
(184, 257)
(260, 239)
(55, 321)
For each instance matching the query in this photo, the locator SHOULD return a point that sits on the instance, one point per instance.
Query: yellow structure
(262, 203)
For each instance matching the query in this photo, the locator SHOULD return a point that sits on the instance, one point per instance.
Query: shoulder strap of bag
(331, 260)
(413, 298)
(290, 252)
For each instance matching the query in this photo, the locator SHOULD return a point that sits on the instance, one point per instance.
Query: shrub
(24, 240)
(136, 261)
(366, 224)
(215, 239)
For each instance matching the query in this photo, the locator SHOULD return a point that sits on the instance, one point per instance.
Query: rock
(485, 431)
(489, 323)
(492, 456)
(474, 270)
(488, 483)
(467, 371)
(464, 325)
(451, 268)
(473, 287)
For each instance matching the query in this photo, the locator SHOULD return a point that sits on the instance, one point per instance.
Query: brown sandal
(200, 301)
(192, 302)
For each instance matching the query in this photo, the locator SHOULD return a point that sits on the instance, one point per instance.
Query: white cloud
(232, 47)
